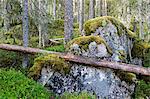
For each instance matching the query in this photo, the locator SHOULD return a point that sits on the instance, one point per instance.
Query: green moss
(127, 77)
(142, 90)
(140, 48)
(53, 61)
(147, 58)
(56, 24)
(14, 35)
(76, 25)
(34, 41)
(83, 95)
(84, 41)
(91, 25)
(57, 48)
(15, 85)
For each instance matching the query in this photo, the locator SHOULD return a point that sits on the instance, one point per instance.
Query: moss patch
(56, 48)
(53, 61)
(140, 48)
(125, 76)
(82, 95)
(84, 41)
(14, 85)
(142, 90)
(91, 25)
(147, 58)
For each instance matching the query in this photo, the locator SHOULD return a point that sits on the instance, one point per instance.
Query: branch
(78, 59)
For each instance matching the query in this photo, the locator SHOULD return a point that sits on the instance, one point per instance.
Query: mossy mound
(53, 61)
(140, 48)
(91, 25)
(14, 85)
(84, 42)
(142, 90)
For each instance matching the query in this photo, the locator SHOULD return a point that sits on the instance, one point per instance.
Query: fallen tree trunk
(78, 59)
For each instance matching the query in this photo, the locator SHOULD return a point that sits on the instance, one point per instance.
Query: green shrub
(14, 85)
(57, 48)
(142, 90)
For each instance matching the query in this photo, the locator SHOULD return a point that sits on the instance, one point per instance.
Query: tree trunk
(104, 7)
(68, 24)
(141, 35)
(25, 32)
(92, 9)
(43, 22)
(54, 9)
(7, 8)
(81, 15)
(99, 5)
(82, 60)
(78, 11)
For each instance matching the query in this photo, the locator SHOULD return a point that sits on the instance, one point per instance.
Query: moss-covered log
(78, 59)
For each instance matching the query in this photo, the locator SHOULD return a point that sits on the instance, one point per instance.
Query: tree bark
(54, 9)
(68, 24)
(7, 8)
(25, 32)
(92, 9)
(81, 15)
(141, 35)
(99, 5)
(82, 60)
(42, 18)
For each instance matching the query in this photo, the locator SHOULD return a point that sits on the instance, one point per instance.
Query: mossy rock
(91, 25)
(140, 48)
(51, 60)
(84, 41)
(142, 90)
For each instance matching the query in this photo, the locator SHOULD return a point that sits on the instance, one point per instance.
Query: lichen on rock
(83, 42)
(89, 46)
